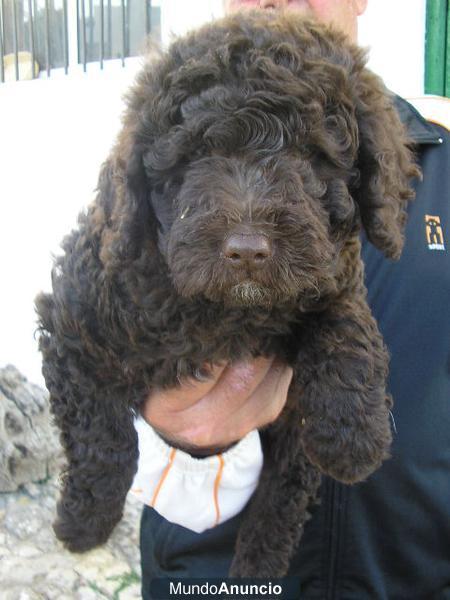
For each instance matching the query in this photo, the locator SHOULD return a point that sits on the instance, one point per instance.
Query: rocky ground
(35, 566)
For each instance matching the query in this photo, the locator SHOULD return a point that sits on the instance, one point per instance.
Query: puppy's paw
(348, 450)
(81, 536)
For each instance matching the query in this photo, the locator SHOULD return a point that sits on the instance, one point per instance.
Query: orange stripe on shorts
(163, 476)
(216, 487)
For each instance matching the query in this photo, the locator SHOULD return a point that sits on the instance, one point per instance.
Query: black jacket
(387, 538)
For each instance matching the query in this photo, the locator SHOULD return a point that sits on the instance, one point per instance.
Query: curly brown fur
(264, 128)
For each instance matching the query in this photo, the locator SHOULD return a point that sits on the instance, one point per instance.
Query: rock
(101, 569)
(85, 593)
(35, 566)
(125, 537)
(29, 446)
(27, 551)
(24, 519)
(131, 593)
(20, 594)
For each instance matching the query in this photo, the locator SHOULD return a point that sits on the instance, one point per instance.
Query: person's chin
(192, 450)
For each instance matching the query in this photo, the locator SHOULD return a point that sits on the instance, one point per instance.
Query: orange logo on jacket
(435, 235)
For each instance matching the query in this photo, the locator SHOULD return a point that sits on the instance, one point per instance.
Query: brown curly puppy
(226, 226)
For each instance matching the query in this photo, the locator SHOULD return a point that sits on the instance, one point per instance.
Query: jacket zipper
(335, 496)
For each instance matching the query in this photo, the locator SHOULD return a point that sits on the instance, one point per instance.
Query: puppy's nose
(250, 250)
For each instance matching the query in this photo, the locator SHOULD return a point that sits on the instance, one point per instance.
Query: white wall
(394, 32)
(55, 134)
(178, 16)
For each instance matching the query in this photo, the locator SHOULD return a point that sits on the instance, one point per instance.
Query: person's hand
(207, 417)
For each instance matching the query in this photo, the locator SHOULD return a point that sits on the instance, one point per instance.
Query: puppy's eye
(184, 213)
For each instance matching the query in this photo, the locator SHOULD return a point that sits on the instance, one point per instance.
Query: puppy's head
(250, 231)
(252, 153)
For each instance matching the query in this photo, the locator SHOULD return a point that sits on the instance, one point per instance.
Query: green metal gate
(437, 48)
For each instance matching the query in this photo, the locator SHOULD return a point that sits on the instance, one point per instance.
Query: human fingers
(236, 384)
(263, 406)
(271, 395)
(187, 393)
(229, 422)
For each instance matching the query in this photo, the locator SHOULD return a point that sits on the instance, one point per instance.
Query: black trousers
(169, 550)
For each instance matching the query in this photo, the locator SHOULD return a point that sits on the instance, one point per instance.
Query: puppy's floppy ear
(386, 166)
(124, 195)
